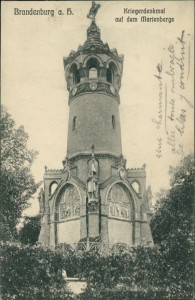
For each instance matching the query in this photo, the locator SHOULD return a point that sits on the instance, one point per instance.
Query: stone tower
(97, 200)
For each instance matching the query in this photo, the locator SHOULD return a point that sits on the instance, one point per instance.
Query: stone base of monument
(76, 285)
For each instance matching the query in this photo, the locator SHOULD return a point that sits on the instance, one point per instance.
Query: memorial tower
(97, 200)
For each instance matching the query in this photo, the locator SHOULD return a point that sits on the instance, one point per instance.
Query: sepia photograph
(97, 150)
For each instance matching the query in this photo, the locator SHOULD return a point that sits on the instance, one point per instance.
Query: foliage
(174, 209)
(140, 274)
(163, 271)
(135, 275)
(29, 233)
(95, 268)
(17, 182)
(31, 273)
(172, 228)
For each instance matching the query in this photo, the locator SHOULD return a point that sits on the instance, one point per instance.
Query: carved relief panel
(118, 203)
(69, 203)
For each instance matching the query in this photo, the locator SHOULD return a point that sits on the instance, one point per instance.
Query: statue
(92, 188)
(92, 182)
(66, 163)
(149, 196)
(93, 10)
(41, 198)
(122, 161)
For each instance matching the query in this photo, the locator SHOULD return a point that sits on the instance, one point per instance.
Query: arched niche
(74, 74)
(93, 65)
(112, 74)
(93, 167)
(109, 75)
(52, 187)
(91, 59)
(119, 202)
(136, 186)
(93, 68)
(68, 203)
(121, 211)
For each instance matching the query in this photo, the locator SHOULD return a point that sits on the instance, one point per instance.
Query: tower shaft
(94, 120)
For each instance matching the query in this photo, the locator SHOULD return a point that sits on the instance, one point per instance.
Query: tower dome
(93, 37)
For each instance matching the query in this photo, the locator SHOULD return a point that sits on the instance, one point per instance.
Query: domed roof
(93, 37)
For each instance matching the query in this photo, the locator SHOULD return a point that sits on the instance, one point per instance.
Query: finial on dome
(93, 11)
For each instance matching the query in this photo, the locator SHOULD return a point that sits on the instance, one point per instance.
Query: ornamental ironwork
(100, 247)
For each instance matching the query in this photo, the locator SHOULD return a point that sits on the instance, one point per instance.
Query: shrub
(141, 274)
(29, 233)
(30, 273)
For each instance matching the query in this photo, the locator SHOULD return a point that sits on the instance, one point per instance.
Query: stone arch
(113, 73)
(76, 63)
(93, 67)
(136, 186)
(121, 213)
(74, 74)
(66, 214)
(52, 187)
(127, 188)
(94, 58)
(113, 64)
(109, 75)
(60, 192)
(121, 201)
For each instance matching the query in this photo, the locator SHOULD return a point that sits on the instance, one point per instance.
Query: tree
(17, 182)
(29, 233)
(32, 272)
(174, 208)
(172, 226)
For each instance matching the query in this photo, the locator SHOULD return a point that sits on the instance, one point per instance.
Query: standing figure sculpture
(92, 183)
(93, 10)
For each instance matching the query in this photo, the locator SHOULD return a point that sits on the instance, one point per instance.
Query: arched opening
(74, 123)
(52, 187)
(74, 74)
(136, 186)
(109, 76)
(76, 77)
(113, 122)
(93, 68)
(111, 73)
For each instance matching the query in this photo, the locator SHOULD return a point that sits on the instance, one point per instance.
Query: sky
(34, 87)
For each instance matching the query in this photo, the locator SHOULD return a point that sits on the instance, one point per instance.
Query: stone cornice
(87, 155)
(74, 54)
(100, 88)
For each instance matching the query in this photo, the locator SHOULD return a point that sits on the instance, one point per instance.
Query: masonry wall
(68, 232)
(119, 231)
(93, 112)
